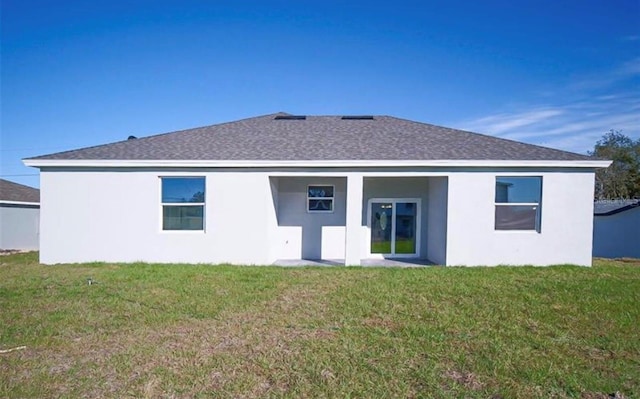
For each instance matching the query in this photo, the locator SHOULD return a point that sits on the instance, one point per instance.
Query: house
(345, 189)
(19, 216)
(616, 228)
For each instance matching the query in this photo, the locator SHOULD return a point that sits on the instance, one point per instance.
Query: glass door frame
(394, 201)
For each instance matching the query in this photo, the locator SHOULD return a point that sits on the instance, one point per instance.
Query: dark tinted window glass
(518, 189)
(182, 189)
(516, 217)
(320, 205)
(183, 217)
(320, 191)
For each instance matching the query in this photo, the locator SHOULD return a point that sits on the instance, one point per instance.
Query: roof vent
(131, 138)
(358, 117)
(290, 117)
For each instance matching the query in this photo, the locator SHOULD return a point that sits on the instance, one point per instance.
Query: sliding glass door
(394, 226)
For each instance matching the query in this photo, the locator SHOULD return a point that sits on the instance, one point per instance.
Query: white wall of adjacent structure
(258, 216)
(617, 235)
(19, 227)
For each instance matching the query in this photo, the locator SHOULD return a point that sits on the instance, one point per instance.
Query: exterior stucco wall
(19, 228)
(437, 220)
(304, 235)
(258, 216)
(116, 217)
(618, 235)
(566, 222)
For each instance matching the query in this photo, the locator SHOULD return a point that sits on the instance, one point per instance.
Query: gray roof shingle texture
(10, 191)
(608, 207)
(318, 138)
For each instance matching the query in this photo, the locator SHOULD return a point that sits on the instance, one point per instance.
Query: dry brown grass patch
(466, 379)
(382, 323)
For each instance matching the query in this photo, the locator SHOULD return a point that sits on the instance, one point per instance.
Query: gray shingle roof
(611, 207)
(10, 191)
(318, 138)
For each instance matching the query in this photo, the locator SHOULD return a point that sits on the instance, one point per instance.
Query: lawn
(219, 331)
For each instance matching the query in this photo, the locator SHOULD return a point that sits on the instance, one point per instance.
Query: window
(320, 198)
(183, 203)
(518, 203)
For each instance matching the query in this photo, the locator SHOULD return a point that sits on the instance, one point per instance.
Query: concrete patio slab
(396, 262)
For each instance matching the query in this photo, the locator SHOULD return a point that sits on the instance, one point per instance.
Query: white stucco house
(343, 188)
(19, 216)
(616, 229)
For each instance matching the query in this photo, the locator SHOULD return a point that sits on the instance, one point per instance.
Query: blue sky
(79, 73)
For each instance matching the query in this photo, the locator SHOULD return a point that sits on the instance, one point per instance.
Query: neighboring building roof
(14, 192)
(283, 137)
(611, 207)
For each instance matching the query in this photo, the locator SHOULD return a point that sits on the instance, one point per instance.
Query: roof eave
(8, 202)
(124, 163)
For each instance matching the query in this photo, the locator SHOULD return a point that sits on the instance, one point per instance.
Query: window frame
(332, 198)
(183, 204)
(538, 222)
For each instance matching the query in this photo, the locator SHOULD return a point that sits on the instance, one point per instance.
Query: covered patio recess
(359, 219)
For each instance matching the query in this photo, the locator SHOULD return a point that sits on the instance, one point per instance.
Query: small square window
(320, 198)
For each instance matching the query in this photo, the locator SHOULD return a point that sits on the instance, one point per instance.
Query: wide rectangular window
(183, 200)
(320, 198)
(517, 203)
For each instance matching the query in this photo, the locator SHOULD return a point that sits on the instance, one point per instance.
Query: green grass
(222, 331)
(405, 246)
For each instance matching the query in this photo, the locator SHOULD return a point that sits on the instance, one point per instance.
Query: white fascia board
(91, 163)
(18, 202)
